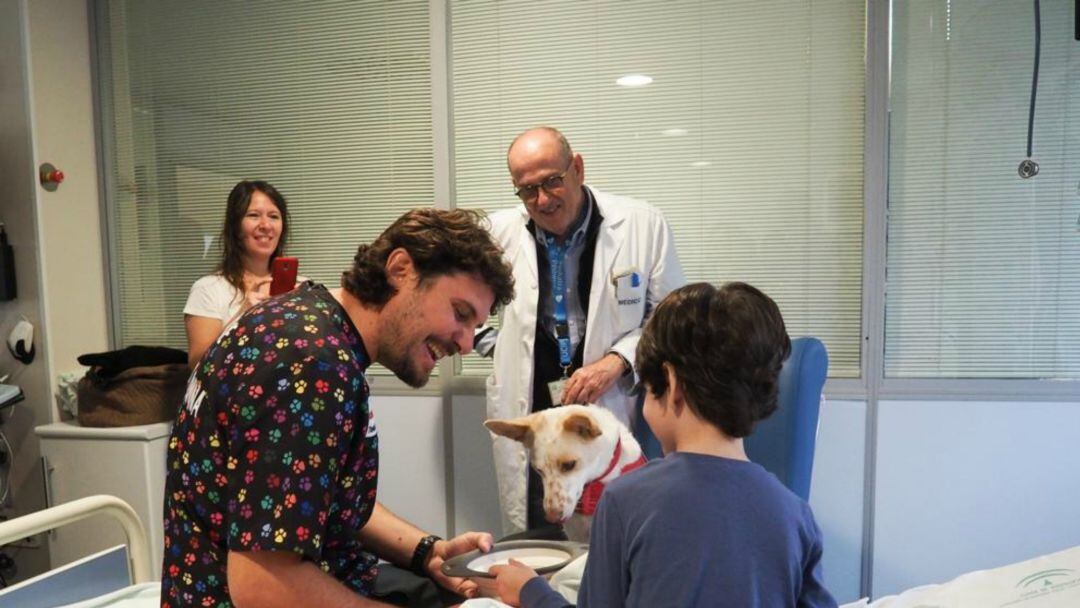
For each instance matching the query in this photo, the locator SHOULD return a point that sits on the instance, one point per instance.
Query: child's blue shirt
(698, 530)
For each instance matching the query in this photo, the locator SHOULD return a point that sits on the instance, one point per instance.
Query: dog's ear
(517, 429)
(582, 425)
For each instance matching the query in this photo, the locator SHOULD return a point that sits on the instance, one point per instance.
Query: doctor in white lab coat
(564, 225)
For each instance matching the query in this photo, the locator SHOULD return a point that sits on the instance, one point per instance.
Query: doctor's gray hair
(564, 146)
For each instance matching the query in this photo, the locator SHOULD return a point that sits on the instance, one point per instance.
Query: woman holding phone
(252, 237)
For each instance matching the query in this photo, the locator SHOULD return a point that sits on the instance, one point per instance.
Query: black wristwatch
(421, 555)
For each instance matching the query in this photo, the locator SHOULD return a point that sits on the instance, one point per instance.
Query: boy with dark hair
(703, 526)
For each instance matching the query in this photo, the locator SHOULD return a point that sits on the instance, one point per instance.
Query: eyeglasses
(531, 192)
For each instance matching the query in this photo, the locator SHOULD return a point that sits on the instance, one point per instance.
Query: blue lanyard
(557, 264)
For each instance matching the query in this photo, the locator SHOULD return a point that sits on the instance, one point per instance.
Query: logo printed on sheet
(1041, 584)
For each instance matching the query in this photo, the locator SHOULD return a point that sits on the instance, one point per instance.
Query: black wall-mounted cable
(1034, 78)
(1029, 168)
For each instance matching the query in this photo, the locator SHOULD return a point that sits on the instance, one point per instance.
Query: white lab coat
(633, 237)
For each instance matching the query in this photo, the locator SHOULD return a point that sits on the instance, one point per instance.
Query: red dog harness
(590, 497)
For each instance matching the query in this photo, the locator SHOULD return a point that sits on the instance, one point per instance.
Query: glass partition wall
(328, 101)
(749, 136)
(984, 257)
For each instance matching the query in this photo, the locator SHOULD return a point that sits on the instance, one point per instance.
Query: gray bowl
(543, 556)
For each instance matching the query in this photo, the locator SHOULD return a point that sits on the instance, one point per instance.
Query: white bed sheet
(1047, 581)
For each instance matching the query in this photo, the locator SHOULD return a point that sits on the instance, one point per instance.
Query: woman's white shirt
(214, 297)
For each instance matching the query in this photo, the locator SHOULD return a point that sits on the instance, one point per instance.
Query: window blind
(749, 138)
(983, 266)
(329, 101)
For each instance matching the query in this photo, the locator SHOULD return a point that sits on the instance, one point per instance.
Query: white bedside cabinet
(127, 462)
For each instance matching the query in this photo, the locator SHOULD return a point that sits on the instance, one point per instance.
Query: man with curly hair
(273, 461)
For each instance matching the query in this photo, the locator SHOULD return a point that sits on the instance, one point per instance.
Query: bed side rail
(69, 512)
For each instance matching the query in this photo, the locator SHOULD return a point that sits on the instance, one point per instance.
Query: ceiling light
(674, 132)
(700, 163)
(633, 80)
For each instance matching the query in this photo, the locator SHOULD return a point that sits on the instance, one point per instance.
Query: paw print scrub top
(274, 449)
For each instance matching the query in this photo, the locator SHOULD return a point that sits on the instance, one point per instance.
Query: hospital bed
(1047, 581)
(120, 577)
(123, 577)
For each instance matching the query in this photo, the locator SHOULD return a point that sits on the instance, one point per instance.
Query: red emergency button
(50, 176)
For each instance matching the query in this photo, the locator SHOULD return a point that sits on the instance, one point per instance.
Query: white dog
(577, 449)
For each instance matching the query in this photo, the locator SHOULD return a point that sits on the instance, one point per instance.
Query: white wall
(47, 108)
(476, 495)
(969, 485)
(958, 486)
(69, 222)
(60, 231)
(412, 459)
(836, 494)
(18, 213)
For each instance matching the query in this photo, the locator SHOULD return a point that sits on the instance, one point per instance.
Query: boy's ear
(399, 267)
(582, 425)
(518, 429)
(675, 395)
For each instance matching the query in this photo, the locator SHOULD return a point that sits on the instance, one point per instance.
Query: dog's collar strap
(590, 496)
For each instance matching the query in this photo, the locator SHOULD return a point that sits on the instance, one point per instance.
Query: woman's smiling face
(260, 230)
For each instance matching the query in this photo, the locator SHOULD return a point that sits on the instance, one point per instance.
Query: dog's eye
(567, 465)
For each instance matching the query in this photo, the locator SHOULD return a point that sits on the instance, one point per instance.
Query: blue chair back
(784, 442)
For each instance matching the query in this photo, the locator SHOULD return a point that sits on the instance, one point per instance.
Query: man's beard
(399, 362)
(394, 355)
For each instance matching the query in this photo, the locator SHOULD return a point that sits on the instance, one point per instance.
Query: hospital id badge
(556, 389)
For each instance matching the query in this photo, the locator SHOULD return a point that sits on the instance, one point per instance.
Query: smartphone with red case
(283, 271)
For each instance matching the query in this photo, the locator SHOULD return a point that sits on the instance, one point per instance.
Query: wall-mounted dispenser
(21, 342)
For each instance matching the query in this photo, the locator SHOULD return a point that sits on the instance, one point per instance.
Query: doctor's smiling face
(547, 176)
